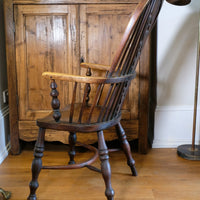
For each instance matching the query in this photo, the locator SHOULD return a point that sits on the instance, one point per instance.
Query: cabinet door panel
(46, 40)
(101, 30)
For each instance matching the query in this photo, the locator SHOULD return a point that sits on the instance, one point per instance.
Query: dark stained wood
(72, 143)
(11, 73)
(152, 86)
(88, 73)
(77, 125)
(131, 128)
(98, 92)
(92, 117)
(105, 165)
(37, 164)
(86, 163)
(114, 96)
(126, 148)
(72, 103)
(55, 103)
(144, 102)
(83, 105)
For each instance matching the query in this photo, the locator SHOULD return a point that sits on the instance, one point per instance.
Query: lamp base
(186, 151)
(179, 2)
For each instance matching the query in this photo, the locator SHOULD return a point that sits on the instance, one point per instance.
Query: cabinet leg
(72, 152)
(37, 164)
(105, 165)
(126, 148)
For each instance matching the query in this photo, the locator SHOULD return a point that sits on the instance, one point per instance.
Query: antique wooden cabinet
(56, 35)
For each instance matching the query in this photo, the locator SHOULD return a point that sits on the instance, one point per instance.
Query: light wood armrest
(87, 79)
(95, 66)
(72, 78)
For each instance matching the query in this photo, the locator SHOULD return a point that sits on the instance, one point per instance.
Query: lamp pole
(192, 152)
(196, 92)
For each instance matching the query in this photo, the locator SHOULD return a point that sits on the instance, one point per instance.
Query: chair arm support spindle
(55, 103)
(95, 66)
(88, 73)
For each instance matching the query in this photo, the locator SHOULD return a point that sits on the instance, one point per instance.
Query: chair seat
(86, 126)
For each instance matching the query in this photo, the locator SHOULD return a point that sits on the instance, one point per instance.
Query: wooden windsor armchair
(95, 116)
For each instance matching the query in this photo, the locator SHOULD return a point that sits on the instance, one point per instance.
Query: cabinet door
(101, 30)
(46, 39)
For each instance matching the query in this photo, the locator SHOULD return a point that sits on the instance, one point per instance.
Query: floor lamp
(187, 151)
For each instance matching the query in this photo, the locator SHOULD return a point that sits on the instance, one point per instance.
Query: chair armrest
(95, 66)
(87, 79)
(72, 78)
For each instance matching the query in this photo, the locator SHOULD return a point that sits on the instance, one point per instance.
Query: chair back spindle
(122, 67)
(72, 103)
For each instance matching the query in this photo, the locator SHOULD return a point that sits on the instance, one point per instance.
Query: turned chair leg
(105, 165)
(37, 164)
(72, 152)
(126, 148)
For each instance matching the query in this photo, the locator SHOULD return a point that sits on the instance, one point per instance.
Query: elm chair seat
(64, 123)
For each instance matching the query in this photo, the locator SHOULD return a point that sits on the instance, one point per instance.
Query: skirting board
(4, 143)
(4, 153)
(173, 126)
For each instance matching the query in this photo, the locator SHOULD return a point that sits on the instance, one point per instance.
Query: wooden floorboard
(161, 175)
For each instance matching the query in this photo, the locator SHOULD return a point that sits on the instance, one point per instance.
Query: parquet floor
(162, 175)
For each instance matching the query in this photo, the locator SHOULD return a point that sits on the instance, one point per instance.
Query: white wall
(177, 50)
